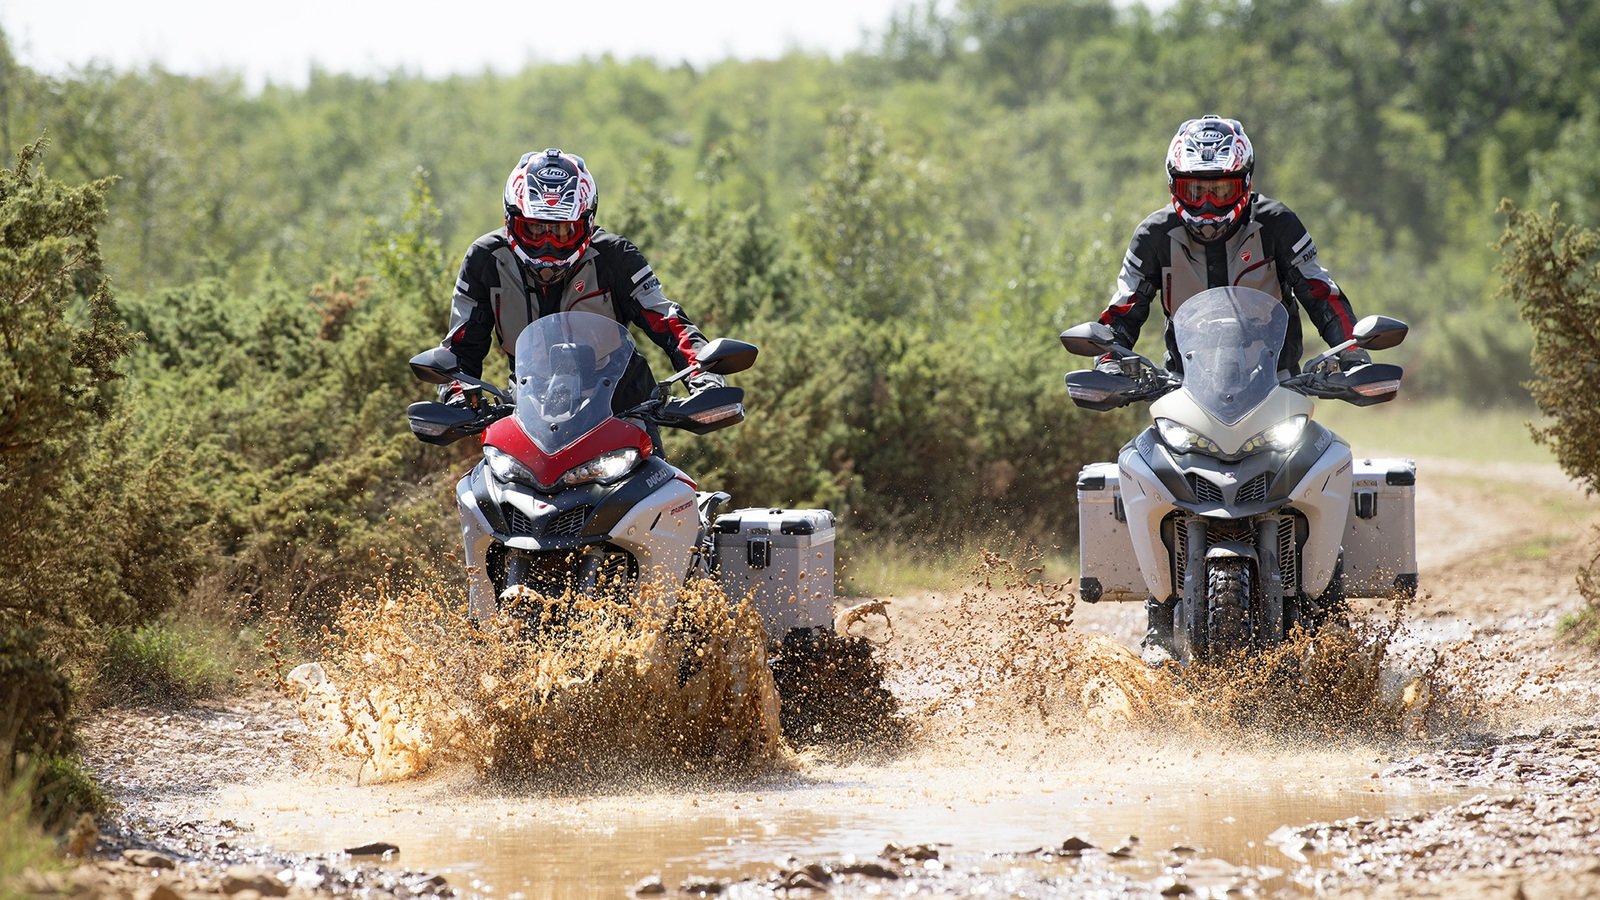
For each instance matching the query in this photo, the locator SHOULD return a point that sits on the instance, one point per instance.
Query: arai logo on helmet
(552, 173)
(1208, 135)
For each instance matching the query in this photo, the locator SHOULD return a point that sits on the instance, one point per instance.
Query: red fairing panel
(612, 434)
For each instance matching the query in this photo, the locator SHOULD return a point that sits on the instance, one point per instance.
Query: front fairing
(526, 518)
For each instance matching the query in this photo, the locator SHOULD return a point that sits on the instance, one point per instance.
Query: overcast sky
(279, 40)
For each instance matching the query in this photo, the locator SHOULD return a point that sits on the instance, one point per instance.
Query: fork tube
(1271, 624)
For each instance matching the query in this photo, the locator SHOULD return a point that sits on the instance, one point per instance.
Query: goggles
(540, 233)
(1222, 192)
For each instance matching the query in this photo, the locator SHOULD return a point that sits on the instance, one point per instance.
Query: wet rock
(867, 870)
(649, 887)
(916, 852)
(801, 881)
(815, 872)
(376, 848)
(1174, 888)
(248, 878)
(161, 892)
(1181, 850)
(1074, 846)
(149, 859)
(696, 886)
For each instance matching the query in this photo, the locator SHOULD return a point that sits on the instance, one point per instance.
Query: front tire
(1228, 596)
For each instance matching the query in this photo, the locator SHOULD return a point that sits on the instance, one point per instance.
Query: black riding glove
(459, 395)
(1109, 364)
(704, 381)
(1352, 358)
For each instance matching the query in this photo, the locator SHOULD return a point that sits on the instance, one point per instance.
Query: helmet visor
(534, 233)
(1220, 192)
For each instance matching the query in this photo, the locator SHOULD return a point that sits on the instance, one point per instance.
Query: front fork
(1266, 619)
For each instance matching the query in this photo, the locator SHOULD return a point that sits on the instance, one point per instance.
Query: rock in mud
(149, 859)
(649, 887)
(1074, 846)
(696, 886)
(247, 878)
(914, 853)
(867, 870)
(377, 848)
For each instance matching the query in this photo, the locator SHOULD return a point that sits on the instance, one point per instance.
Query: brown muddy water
(1124, 793)
(514, 767)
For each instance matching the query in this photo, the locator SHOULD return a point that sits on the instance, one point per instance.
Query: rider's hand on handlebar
(460, 396)
(1353, 357)
(704, 381)
(1109, 364)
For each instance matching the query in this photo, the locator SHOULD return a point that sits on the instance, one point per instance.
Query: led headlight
(1183, 439)
(1282, 436)
(505, 467)
(605, 468)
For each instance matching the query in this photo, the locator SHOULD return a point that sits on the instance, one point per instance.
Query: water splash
(659, 685)
(1004, 663)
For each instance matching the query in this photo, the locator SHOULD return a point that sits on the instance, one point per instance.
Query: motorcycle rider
(1218, 232)
(551, 257)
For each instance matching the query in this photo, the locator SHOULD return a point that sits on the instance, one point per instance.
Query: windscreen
(567, 369)
(1230, 339)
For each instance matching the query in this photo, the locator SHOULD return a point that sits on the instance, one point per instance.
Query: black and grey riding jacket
(495, 299)
(1270, 251)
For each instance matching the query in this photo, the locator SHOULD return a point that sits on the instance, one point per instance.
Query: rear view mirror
(1089, 339)
(1379, 332)
(436, 366)
(725, 356)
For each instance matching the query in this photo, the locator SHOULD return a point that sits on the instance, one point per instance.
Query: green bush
(162, 662)
(1551, 272)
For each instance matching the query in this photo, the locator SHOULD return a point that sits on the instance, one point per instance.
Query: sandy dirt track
(1499, 805)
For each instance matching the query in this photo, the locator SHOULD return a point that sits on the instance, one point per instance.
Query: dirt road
(1016, 782)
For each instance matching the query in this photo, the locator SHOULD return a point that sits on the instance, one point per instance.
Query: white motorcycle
(1234, 508)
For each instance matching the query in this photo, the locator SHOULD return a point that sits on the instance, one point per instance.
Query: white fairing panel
(1145, 502)
(476, 538)
(661, 532)
(1323, 495)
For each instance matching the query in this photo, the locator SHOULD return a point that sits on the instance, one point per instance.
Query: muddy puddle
(1150, 801)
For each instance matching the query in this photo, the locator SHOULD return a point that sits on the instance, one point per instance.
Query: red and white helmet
(1209, 165)
(550, 202)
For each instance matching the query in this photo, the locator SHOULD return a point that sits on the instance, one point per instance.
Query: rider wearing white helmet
(550, 257)
(1218, 232)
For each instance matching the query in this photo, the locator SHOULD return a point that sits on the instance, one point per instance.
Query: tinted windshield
(568, 366)
(1230, 339)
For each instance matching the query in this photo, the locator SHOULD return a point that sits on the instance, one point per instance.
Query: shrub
(1551, 271)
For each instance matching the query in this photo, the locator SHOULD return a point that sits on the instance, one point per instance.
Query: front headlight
(1183, 439)
(605, 468)
(505, 467)
(1282, 436)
